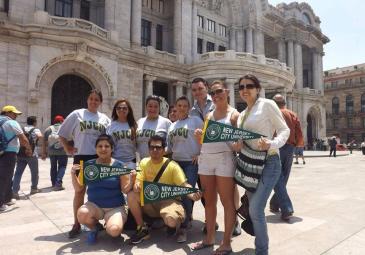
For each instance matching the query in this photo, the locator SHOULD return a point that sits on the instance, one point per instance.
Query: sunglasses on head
(121, 108)
(155, 147)
(216, 92)
(247, 86)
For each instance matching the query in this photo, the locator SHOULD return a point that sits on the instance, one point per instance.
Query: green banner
(153, 192)
(218, 132)
(97, 172)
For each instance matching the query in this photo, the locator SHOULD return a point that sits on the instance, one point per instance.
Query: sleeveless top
(218, 146)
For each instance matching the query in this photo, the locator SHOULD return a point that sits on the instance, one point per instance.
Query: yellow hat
(10, 108)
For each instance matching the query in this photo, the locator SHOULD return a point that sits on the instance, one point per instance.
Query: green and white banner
(96, 172)
(153, 192)
(214, 131)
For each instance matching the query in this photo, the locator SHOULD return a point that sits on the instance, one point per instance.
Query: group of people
(170, 152)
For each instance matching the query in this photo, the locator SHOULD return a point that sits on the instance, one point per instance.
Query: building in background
(345, 103)
(56, 50)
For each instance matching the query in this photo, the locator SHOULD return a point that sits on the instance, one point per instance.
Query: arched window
(349, 104)
(363, 102)
(335, 105)
(307, 19)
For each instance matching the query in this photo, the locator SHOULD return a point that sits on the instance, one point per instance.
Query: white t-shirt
(148, 128)
(124, 146)
(181, 140)
(84, 127)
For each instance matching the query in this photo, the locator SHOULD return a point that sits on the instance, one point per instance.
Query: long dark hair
(97, 92)
(130, 117)
(252, 78)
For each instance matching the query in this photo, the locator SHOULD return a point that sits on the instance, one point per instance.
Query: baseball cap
(58, 119)
(11, 108)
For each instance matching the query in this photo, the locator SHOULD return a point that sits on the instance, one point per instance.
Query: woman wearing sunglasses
(216, 171)
(123, 131)
(150, 125)
(264, 117)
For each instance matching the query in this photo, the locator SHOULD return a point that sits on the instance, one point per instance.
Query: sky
(343, 22)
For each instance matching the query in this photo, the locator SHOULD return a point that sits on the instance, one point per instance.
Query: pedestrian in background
(333, 144)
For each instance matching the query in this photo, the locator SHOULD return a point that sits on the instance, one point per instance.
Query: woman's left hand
(264, 144)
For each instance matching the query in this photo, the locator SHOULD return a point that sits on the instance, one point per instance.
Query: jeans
(334, 152)
(281, 198)
(58, 168)
(258, 200)
(7, 164)
(191, 173)
(32, 162)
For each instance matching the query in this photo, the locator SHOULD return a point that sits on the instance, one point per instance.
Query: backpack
(32, 143)
(3, 141)
(53, 141)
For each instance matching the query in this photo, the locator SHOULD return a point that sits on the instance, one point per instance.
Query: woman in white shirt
(264, 117)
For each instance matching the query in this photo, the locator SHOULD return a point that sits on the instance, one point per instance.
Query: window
(350, 123)
(161, 5)
(63, 8)
(85, 10)
(363, 122)
(348, 81)
(335, 123)
(159, 37)
(221, 48)
(363, 102)
(210, 46)
(334, 84)
(306, 19)
(362, 80)
(146, 33)
(211, 25)
(222, 30)
(335, 105)
(200, 46)
(349, 104)
(200, 21)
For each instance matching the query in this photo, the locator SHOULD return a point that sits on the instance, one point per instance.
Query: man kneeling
(171, 211)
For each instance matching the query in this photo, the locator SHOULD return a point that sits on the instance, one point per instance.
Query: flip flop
(222, 252)
(201, 245)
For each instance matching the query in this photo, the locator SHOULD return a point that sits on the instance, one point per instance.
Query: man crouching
(158, 168)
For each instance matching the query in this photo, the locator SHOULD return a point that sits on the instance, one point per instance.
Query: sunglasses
(247, 86)
(155, 147)
(216, 92)
(119, 108)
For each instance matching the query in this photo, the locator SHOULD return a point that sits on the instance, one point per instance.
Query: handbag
(249, 166)
(243, 213)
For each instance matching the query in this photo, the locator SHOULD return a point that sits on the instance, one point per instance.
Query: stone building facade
(345, 102)
(56, 50)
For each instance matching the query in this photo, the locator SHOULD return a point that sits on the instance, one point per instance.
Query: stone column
(195, 32)
(259, 39)
(39, 5)
(2, 5)
(249, 40)
(281, 51)
(240, 40)
(315, 70)
(177, 27)
(136, 22)
(291, 55)
(109, 15)
(189, 95)
(232, 39)
(232, 98)
(153, 35)
(76, 9)
(298, 65)
(179, 89)
(149, 84)
(320, 72)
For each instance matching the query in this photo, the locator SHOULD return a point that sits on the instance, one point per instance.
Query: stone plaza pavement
(328, 196)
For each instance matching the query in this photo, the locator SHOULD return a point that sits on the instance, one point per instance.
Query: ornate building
(345, 102)
(56, 50)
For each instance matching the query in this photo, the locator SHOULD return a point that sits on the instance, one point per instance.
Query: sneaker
(204, 228)
(91, 237)
(296, 162)
(99, 226)
(303, 162)
(170, 231)
(34, 191)
(58, 187)
(236, 229)
(11, 202)
(16, 196)
(141, 234)
(286, 215)
(181, 235)
(274, 209)
(3, 208)
(75, 231)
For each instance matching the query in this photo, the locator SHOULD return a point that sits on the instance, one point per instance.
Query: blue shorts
(299, 151)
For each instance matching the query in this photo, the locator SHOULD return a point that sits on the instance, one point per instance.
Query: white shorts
(220, 164)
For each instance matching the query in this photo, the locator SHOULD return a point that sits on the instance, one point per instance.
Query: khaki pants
(166, 209)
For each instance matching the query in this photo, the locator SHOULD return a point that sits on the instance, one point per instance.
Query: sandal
(201, 245)
(222, 252)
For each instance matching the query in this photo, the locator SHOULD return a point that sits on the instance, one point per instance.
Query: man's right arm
(24, 142)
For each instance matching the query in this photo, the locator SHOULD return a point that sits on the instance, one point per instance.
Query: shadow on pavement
(275, 219)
